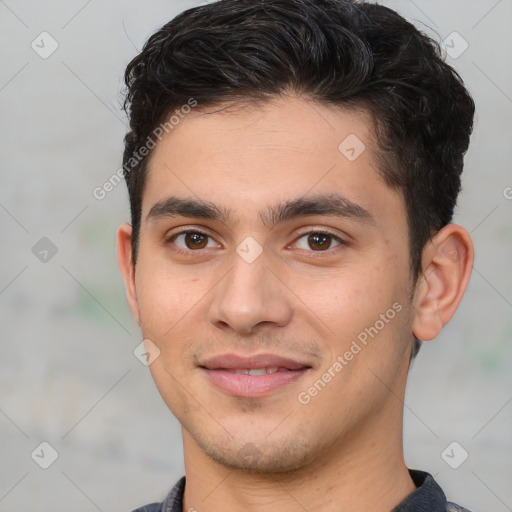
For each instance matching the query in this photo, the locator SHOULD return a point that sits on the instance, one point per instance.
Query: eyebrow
(327, 204)
(177, 206)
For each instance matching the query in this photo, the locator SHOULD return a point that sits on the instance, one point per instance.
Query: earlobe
(447, 263)
(125, 262)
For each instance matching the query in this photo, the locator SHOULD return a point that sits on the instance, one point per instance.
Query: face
(267, 246)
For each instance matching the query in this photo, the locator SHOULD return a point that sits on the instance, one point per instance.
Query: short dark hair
(341, 53)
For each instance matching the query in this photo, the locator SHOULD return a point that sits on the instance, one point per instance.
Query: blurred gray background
(68, 375)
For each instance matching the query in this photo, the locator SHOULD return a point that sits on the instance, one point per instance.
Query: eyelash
(340, 241)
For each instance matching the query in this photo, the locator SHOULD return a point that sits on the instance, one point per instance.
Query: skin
(343, 449)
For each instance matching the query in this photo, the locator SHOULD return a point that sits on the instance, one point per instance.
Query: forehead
(250, 155)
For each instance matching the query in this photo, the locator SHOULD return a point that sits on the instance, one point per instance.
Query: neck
(366, 471)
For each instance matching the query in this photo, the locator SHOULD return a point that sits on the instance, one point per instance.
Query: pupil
(197, 240)
(318, 241)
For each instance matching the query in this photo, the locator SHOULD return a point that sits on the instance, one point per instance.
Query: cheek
(367, 306)
(171, 305)
(164, 297)
(349, 296)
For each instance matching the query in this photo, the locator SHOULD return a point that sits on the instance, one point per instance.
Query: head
(255, 119)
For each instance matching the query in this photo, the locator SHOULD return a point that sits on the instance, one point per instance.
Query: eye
(192, 240)
(318, 241)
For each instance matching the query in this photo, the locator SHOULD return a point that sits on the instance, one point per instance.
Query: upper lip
(238, 362)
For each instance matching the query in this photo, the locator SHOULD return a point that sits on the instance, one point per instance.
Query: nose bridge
(249, 295)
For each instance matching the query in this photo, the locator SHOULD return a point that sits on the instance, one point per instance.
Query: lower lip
(252, 385)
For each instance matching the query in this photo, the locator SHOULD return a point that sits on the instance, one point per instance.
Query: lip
(219, 370)
(235, 361)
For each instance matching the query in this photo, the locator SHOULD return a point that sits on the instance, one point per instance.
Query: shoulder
(152, 507)
(453, 507)
(173, 502)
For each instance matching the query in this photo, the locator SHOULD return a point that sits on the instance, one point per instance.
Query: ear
(447, 264)
(127, 267)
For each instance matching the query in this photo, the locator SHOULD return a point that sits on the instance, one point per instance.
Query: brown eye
(192, 240)
(318, 242)
(196, 240)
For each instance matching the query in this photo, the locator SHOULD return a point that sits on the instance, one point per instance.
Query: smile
(253, 376)
(257, 371)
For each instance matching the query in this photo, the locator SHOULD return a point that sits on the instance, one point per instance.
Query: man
(293, 166)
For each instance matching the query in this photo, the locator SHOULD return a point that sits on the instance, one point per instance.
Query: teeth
(257, 371)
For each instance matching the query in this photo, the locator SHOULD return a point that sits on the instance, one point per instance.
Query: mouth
(253, 376)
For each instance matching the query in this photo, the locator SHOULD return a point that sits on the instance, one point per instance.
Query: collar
(428, 497)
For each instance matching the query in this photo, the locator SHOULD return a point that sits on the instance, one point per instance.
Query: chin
(282, 456)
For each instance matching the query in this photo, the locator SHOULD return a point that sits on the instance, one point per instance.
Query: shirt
(428, 497)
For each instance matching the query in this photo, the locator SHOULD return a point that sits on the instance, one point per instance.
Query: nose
(250, 296)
